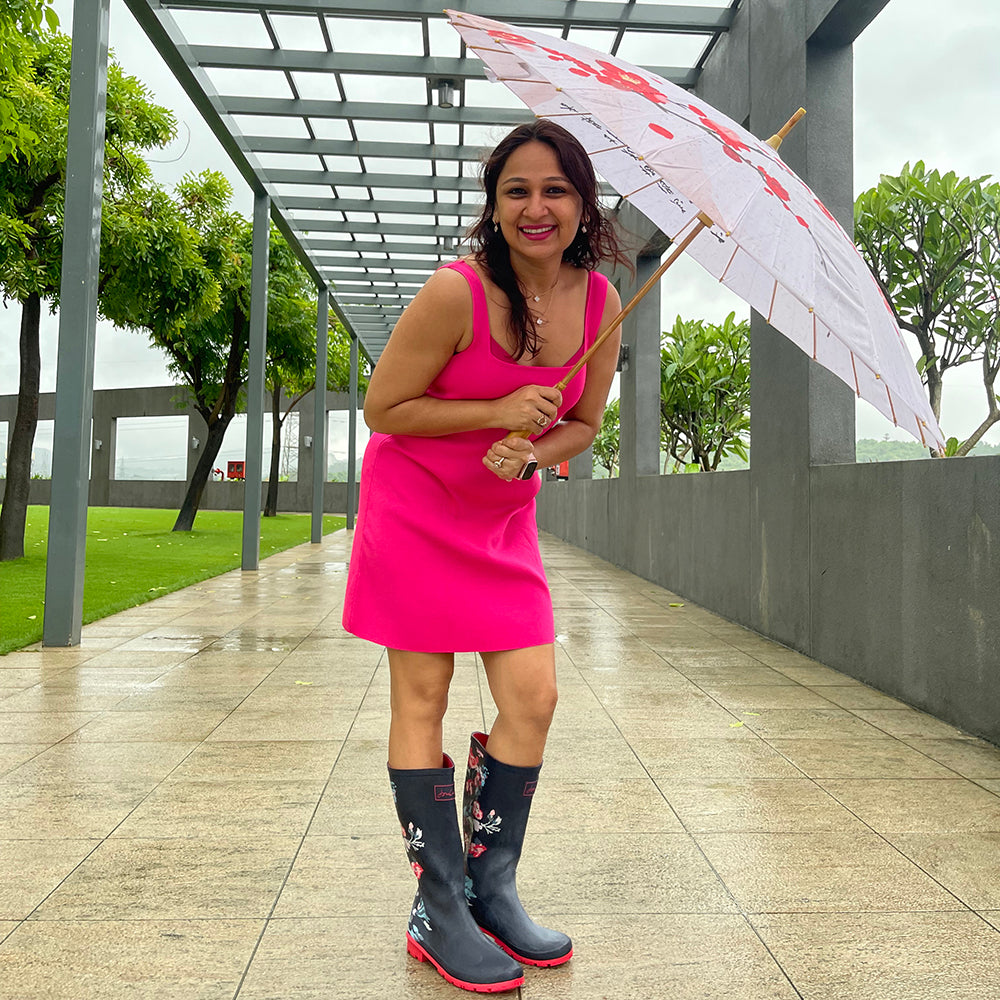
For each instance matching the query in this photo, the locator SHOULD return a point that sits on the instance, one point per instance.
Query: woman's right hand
(530, 408)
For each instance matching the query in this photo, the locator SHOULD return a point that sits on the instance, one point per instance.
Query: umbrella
(726, 196)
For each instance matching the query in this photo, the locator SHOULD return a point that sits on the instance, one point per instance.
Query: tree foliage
(705, 391)
(607, 444)
(933, 243)
(134, 284)
(22, 23)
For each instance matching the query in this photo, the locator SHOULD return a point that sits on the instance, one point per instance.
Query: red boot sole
(541, 963)
(420, 955)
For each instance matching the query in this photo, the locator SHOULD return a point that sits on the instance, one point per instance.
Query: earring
(583, 229)
(496, 227)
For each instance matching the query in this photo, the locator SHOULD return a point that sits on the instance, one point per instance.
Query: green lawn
(132, 557)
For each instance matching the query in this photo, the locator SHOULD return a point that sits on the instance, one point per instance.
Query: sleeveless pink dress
(445, 555)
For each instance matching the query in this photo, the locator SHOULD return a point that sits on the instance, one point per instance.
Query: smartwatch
(528, 469)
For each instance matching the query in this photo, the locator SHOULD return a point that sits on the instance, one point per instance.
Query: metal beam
(335, 178)
(366, 64)
(311, 203)
(66, 556)
(377, 229)
(255, 382)
(373, 111)
(327, 263)
(392, 249)
(637, 16)
(350, 147)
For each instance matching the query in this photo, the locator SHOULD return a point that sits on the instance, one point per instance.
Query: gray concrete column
(800, 414)
(582, 466)
(64, 571)
(102, 460)
(352, 434)
(640, 380)
(319, 431)
(255, 383)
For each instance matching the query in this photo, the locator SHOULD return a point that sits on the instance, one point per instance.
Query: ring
(498, 463)
(542, 420)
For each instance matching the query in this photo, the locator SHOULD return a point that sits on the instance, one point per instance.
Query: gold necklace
(540, 316)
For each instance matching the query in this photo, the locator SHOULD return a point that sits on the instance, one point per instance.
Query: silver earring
(583, 229)
(496, 228)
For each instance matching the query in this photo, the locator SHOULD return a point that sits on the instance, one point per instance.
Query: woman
(446, 556)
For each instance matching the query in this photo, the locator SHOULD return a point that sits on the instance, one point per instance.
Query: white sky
(927, 82)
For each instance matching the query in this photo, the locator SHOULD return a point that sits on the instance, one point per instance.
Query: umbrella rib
(813, 311)
(643, 188)
(891, 407)
(770, 308)
(736, 250)
(854, 366)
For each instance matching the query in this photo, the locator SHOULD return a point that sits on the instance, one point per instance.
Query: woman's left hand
(507, 458)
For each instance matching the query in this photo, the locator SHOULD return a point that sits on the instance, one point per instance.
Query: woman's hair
(588, 249)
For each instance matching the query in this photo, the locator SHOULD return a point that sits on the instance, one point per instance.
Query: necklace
(540, 315)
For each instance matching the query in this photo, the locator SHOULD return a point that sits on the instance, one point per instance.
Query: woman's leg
(499, 788)
(419, 697)
(523, 685)
(440, 929)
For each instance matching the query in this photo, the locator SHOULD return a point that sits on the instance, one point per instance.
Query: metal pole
(81, 255)
(319, 414)
(255, 384)
(352, 433)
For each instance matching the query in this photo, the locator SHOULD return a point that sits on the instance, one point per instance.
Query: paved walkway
(194, 806)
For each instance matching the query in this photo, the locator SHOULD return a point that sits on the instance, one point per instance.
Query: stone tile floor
(194, 806)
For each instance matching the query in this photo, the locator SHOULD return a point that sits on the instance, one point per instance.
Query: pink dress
(445, 555)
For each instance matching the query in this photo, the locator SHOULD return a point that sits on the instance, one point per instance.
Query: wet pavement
(194, 805)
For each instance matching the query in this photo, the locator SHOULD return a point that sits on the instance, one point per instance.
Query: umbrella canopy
(772, 241)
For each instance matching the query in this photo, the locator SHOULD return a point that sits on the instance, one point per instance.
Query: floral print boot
(495, 813)
(441, 929)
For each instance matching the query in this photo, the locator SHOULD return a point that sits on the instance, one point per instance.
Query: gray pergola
(359, 128)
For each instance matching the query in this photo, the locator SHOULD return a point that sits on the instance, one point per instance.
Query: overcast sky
(927, 85)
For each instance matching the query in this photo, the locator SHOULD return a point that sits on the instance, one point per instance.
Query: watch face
(529, 470)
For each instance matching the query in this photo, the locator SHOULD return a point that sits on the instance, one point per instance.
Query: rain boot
(495, 811)
(441, 929)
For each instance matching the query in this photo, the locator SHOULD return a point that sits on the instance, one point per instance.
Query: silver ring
(498, 463)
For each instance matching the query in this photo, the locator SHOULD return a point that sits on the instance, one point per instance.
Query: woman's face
(537, 207)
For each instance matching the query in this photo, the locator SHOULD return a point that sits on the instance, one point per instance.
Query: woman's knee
(419, 687)
(534, 706)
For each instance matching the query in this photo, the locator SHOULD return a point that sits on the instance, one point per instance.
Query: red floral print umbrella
(762, 232)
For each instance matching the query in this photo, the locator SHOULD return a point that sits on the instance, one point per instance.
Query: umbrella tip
(776, 140)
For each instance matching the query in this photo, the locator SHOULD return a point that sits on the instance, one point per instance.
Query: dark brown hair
(588, 249)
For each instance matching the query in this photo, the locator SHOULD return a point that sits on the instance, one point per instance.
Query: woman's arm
(431, 329)
(577, 429)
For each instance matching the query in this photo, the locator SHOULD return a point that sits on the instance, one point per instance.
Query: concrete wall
(902, 578)
(105, 491)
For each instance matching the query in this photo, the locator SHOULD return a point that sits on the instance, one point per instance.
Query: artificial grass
(132, 557)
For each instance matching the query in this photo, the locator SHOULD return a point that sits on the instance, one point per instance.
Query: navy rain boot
(441, 929)
(495, 810)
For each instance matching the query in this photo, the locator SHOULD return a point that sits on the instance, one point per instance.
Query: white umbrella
(762, 232)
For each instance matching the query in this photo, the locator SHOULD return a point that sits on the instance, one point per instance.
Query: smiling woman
(463, 407)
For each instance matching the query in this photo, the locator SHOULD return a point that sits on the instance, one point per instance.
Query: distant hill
(870, 450)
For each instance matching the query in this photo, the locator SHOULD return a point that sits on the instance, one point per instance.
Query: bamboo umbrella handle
(702, 222)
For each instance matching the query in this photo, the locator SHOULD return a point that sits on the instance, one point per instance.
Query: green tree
(291, 369)
(933, 243)
(705, 391)
(209, 355)
(21, 26)
(32, 193)
(607, 444)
